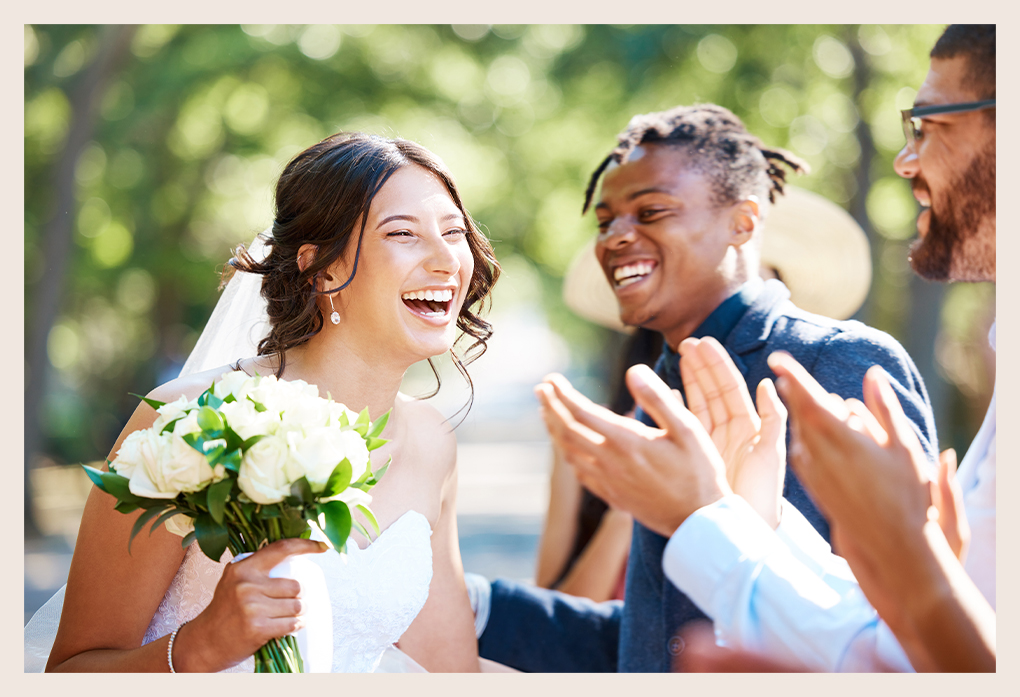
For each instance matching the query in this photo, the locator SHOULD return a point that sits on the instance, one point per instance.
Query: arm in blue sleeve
(542, 631)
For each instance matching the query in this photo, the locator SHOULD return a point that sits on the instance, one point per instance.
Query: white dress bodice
(375, 592)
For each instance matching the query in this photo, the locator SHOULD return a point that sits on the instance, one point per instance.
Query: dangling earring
(335, 317)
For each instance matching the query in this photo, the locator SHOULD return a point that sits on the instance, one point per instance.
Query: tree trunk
(85, 96)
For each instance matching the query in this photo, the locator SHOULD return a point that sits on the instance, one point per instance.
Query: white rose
(356, 452)
(281, 395)
(247, 421)
(189, 424)
(336, 409)
(180, 525)
(176, 468)
(317, 453)
(264, 475)
(170, 411)
(305, 412)
(135, 449)
(237, 383)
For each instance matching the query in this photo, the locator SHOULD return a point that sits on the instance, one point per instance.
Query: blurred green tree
(151, 151)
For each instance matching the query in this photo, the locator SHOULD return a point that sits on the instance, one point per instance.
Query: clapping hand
(659, 475)
(753, 445)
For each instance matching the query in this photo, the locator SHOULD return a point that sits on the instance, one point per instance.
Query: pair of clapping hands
(863, 465)
(717, 446)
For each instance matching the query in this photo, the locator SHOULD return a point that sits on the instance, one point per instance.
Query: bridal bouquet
(252, 460)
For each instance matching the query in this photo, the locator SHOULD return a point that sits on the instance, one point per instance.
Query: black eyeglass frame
(912, 132)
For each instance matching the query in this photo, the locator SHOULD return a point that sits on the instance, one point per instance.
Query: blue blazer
(539, 630)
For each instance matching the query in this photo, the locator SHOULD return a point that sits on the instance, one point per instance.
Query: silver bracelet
(170, 647)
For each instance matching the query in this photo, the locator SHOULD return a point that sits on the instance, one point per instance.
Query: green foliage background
(195, 122)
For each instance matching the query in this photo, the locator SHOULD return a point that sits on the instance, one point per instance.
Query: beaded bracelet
(170, 647)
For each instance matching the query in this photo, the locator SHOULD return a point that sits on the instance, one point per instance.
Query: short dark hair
(717, 143)
(977, 43)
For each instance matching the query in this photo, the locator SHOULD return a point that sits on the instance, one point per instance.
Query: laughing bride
(372, 265)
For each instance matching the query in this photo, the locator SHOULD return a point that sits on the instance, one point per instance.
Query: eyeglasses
(912, 117)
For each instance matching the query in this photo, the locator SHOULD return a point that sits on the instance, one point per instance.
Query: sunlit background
(150, 151)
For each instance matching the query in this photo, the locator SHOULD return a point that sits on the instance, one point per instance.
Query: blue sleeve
(542, 631)
(846, 357)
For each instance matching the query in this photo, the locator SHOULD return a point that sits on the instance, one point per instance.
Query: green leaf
(217, 496)
(142, 520)
(231, 460)
(195, 440)
(189, 539)
(125, 507)
(212, 536)
(154, 403)
(375, 443)
(302, 490)
(378, 474)
(344, 421)
(339, 479)
(170, 426)
(338, 522)
(259, 406)
(361, 529)
(267, 512)
(234, 441)
(251, 441)
(377, 428)
(203, 399)
(118, 486)
(96, 475)
(209, 419)
(229, 399)
(371, 518)
(165, 517)
(361, 425)
(293, 526)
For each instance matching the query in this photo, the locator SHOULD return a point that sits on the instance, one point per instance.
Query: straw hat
(818, 249)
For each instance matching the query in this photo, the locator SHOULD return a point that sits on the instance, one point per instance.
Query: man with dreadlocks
(681, 214)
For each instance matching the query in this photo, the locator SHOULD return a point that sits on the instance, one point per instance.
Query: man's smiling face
(952, 173)
(663, 242)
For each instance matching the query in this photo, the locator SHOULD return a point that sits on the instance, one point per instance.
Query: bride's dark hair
(320, 197)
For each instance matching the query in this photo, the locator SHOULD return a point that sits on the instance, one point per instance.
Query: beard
(960, 243)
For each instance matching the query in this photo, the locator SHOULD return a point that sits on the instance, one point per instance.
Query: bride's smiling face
(413, 272)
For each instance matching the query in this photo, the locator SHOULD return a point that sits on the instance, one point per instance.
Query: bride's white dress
(374, 592)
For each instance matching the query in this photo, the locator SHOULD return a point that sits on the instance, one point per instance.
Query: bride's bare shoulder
(190, 386)
(426, 425)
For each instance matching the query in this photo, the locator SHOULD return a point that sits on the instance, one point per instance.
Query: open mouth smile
(630, 274)
(434, 303)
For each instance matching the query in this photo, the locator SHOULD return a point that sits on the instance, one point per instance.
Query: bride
(373, 265)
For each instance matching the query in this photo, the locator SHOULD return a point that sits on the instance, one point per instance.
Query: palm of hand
(752, 447)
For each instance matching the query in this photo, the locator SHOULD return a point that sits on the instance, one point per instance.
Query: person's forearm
(948, 615)
(597, 570)
(190, 655)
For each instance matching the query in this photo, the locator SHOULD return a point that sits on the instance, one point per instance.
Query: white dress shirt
(781, 592)
(977, 479)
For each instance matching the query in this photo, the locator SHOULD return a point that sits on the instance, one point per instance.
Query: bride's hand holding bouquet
(248, 466)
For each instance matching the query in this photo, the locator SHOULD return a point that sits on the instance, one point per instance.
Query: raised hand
(660, 476)
(247, 610)
(866, 470)
(753, 445)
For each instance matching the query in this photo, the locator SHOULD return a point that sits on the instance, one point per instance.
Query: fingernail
(322, 545)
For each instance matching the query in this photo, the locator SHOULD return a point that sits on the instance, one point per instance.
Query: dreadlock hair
(716, 143)
(977, 43)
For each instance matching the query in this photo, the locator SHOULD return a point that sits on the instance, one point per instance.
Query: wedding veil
(237, 324)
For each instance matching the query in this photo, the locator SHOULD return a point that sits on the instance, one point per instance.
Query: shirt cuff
(811, 549)
(714, 539)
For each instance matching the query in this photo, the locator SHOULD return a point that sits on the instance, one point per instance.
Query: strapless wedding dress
(374, 592)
